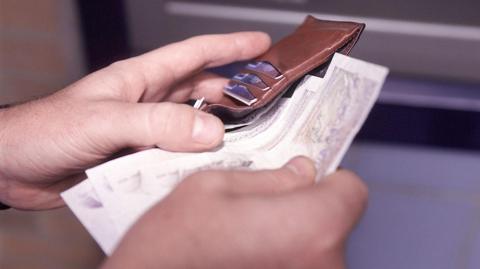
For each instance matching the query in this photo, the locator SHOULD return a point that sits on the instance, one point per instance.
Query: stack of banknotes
(319, 120)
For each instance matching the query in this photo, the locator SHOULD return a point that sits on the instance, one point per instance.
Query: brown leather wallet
(309, 49)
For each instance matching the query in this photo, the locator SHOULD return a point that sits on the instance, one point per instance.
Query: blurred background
(419, 150)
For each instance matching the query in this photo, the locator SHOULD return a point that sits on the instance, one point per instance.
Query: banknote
(320, 121)
(90, 210)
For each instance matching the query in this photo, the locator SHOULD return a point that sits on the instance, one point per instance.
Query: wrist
(3, 120)
(4, 206)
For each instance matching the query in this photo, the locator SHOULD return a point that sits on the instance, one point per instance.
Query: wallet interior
(308, 50)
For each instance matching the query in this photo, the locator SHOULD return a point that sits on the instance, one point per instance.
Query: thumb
(297, 173)
(170, 126)
(344, 197)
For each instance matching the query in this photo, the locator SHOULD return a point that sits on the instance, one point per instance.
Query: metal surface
(426, 45)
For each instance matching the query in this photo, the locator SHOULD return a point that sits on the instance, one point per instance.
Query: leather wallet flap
(268, 76)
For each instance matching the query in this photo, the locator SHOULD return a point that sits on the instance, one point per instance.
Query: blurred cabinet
(40, 48)
(439, 39)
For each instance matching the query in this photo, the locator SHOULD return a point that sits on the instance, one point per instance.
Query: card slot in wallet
(240, 93)
(265, 68)
(269, 81)
(250, 79)
(310, 47)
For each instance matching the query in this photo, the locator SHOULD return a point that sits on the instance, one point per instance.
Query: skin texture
(45, 145)
(213, 219)
(242, 219)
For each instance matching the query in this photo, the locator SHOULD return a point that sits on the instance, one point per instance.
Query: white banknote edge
(256, 137)
(372, 71)
(135, 199)
(133, 163)
(94, 217)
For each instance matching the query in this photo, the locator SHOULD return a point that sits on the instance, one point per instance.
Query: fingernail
(206, 129)
(293, 168)
(301, 166)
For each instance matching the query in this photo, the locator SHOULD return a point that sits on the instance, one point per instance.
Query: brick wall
(40, 52)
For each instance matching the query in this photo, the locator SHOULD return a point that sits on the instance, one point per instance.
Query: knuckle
(284, 179)
(326, 242)
(121, 75)
(117, 65)
(201, 38)
(203, 182)
(117, 69)
(357, 185)
(196, 39)
(326, 232)
(319, 234)
(238, 45)
(197, 42)
(362, 192)
(349, 174)
(128, 68)
(176, 120)
(152, 129)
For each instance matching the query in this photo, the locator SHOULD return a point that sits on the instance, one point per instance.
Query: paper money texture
(320, 121)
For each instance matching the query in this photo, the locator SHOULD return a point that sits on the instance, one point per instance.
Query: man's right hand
(245, 219)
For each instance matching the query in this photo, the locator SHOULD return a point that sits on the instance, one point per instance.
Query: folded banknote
(320, 121)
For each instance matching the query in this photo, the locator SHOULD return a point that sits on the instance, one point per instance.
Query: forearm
(3, 122)
(3, 127)
(7, 120)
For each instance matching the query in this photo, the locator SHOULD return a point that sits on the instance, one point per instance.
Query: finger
(174, 127)
(147, 76)
(338, 201)
(350, 189)
(298, 172)
(206, 85)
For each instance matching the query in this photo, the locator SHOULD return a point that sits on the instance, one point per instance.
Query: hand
(233, 219)
(46, 144)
